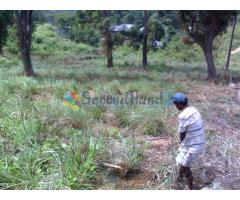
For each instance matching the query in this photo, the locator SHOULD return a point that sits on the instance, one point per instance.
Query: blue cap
(179, 98)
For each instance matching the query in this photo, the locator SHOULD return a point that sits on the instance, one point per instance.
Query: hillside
(46, 145)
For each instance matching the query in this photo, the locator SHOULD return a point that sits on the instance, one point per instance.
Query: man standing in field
(192, 138)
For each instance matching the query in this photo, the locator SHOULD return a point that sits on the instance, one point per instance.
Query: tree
(40, 17)
(5, 20)
(153, 31)
(156, 29)
(107, 36)
(203, 27)
(65, 21)
(100, 20)
(230, 46)
(25, 25)
(145, 39)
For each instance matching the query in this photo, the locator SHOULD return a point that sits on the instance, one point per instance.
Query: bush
(178, 51)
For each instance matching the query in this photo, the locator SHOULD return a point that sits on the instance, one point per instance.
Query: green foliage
(11, 44)
(203, 27)
(39, 17)
(118, 39)
(44, 145)
(47, 42)
(161, 28)
(135, 38)
(131, 17)
(200, 23)
(6, 18)
(176, 50)
(25, 169)
(85, 34)
(156, 30)
(87, 27)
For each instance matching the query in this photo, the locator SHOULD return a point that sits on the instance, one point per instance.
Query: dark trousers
(185, 173)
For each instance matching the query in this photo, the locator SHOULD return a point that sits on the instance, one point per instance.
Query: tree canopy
(6, 18)
(203, 27)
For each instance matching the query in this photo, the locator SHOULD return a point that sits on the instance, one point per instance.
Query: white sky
(120, 4)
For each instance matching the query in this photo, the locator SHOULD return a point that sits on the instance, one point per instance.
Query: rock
(231, 85)
(117, 169)
(213, 186)
(64, 146)
(207, 164)
(237, 50)
(112, 165)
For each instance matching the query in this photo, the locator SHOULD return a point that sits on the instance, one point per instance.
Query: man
(192, 138)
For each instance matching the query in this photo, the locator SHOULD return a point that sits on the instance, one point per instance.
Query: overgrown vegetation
(45, 145)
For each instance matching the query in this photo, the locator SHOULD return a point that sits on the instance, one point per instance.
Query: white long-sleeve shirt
(190, 121)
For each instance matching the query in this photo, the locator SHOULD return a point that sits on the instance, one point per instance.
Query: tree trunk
(212, 73)
(230, 46)
(145, 37)
(1, 50)
(108, 39)
(109, 44)
(25, 39)
(207, 48)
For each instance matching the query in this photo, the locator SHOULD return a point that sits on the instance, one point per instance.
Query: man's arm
(182, 130)
(182, 136)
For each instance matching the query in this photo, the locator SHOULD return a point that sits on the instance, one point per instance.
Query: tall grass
(44, 145)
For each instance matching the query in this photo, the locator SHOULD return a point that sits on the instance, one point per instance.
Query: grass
(35, 125)
(44, 145)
